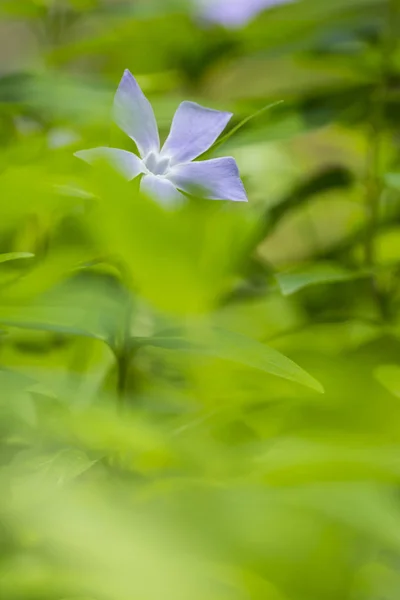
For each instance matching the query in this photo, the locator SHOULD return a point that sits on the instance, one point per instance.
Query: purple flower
(234, 13)
(170, 169)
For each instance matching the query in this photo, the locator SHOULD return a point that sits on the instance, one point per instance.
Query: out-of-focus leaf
(393, 180)
(57, 96)
(58, 468)
(364, 507)
(15, 256)
(295, 24)
(291, 76)
(249, 583)
(320, 273)
(238, 348)
(181, 259)
(335, 177)
(301, 460)
(389, 377)
(169, 343)
(143, 44)
(62, 319)
(227, 345)
(86, 306)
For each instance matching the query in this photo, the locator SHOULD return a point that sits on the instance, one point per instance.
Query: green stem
(122, 377)
(374, 180)
(123, 355)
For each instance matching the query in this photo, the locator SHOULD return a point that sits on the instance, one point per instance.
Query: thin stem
(122, 377)
(374, 180)
(123, 354)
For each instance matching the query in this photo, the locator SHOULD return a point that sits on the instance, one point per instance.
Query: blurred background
(201, 402)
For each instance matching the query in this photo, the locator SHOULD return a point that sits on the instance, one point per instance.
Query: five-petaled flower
(169, 171)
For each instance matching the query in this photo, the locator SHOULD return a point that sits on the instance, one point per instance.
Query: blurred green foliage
(163, 433)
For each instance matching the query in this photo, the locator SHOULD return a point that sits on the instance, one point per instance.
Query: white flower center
(156, 165)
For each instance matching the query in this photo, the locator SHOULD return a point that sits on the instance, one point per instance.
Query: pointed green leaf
(238, 348)
(232, 346)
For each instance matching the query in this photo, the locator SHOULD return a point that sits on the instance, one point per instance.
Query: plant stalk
(123, 355)
(374, 179)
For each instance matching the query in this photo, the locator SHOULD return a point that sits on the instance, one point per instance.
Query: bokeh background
(163, 430)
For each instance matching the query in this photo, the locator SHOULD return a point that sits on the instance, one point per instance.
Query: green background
(201, 402)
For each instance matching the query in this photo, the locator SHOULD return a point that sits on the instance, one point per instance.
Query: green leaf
(292, 282)
(301, 460)
(169, 343)
(322, 181)
(232, 346)
(63, 319)
(58, 468)
(15, 256)
(238, 348)
(83, 306)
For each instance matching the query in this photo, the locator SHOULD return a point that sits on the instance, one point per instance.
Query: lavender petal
(215, 179)
(134, 115)
(234, 13)
(194, 129)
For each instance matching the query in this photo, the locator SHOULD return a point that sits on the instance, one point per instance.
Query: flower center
(156, 165)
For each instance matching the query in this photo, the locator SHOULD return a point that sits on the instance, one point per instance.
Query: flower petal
(216, 179)
(134, 115)
(125, 163)
(234, 13)
(194, 129)
(161, 189)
